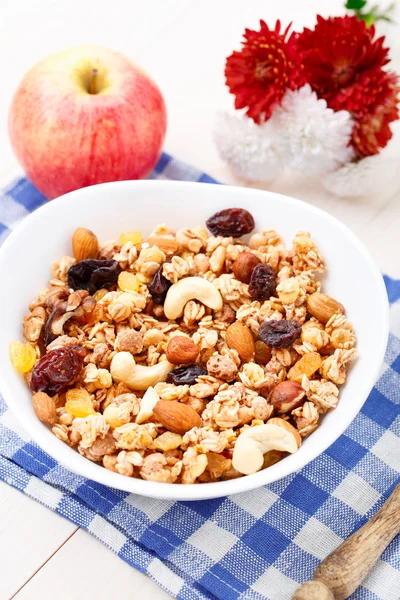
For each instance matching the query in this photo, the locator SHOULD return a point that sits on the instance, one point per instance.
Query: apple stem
(93, 82)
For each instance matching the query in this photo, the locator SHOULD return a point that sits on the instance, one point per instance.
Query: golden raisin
(100, 294)
(131, 236)
(307, 365)
(78, 403)
(22, 356)
(128, 282)
(262, 353)
(167, 441)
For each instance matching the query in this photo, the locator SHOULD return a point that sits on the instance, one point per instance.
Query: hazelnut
(287, 396)
(182, 350)
(244, 265)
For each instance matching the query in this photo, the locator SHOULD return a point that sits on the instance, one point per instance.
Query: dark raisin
(57, 370)
(186, 375)
(231, 222)
(92, 275)
(262, 282)
(279, 334)
(159, 286)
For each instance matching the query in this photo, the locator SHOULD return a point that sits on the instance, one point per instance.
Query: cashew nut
(147, 404)
(253, 443)
(191, 288)
(137, 377)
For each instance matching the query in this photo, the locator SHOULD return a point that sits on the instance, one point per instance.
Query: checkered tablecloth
(256, 545)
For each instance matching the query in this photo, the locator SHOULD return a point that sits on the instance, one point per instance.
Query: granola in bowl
(189, 356)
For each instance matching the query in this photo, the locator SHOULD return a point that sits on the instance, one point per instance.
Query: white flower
(249, 149)
(372, 175)
(314, 137)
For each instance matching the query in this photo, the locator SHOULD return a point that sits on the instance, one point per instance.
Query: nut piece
(147, 405)
(191, 288)
(244, 266)
(137, 377)
(84, 244)
(44, 407)
(287, 396)
(182, 350)
(176, 417)
(240, 338)
(287, 426)
(168, 245)
(253, 443)
(323, 307)
(307, 365)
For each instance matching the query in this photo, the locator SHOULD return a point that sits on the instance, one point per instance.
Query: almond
(181, 350)
(167, 245)
(240, 338)
(287, 396)
(84, 244)
(323, 307)
(286, 425)
(176, 417)
(44, 407)
(244, 266)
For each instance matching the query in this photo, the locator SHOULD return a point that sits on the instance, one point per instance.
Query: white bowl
(111, 208)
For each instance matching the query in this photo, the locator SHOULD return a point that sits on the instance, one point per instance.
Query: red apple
(83, 116)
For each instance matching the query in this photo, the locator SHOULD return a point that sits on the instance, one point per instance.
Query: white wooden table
(183, 44)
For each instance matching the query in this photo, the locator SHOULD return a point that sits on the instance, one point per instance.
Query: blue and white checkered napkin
(255, 545)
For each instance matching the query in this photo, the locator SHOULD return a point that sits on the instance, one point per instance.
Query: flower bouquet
(320, 101)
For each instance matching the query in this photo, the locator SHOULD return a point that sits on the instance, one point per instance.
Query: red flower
(259, 74)
(372, 131)
(368, 90)
(336, 51)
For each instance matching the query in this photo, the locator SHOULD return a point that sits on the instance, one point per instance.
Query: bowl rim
(98, 473)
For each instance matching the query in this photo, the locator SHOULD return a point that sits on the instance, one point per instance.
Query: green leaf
(355, 4)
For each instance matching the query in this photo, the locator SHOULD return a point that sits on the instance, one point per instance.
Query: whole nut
(176, 416)
(84, 244)
(244, 266)
(44, 407)
(287, 426)
(323, 307)
(287, 396)
(182, 350)
(168, 245)
(240, 338)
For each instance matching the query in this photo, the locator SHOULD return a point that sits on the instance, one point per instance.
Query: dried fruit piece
(240, 338)
(131, 236)
(78, 403)
(44, 407)
(84, 244)
(217, 464)
(262, 282)
(233, 222)
(181, 350)
(176, 417)
(186, 375)
(22, 356)
(271, 458)
(167, 441)
(57, 369)
(128, 282)
(307, 365)
(287, 396)
(279, 334)
(244, 266)
(262, 353)
(323, 307)
(92, 275)
(159, 286)
(100, 294)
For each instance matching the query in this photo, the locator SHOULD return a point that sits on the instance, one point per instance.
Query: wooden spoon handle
(343, 570)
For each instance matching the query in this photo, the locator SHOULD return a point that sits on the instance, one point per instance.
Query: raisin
(57, 369)
(279, 334)
(159, 286)
(186, 375)
(262, 282)
(92, 275)
(231, 222)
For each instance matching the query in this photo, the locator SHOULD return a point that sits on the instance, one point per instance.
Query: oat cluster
(166, 399)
